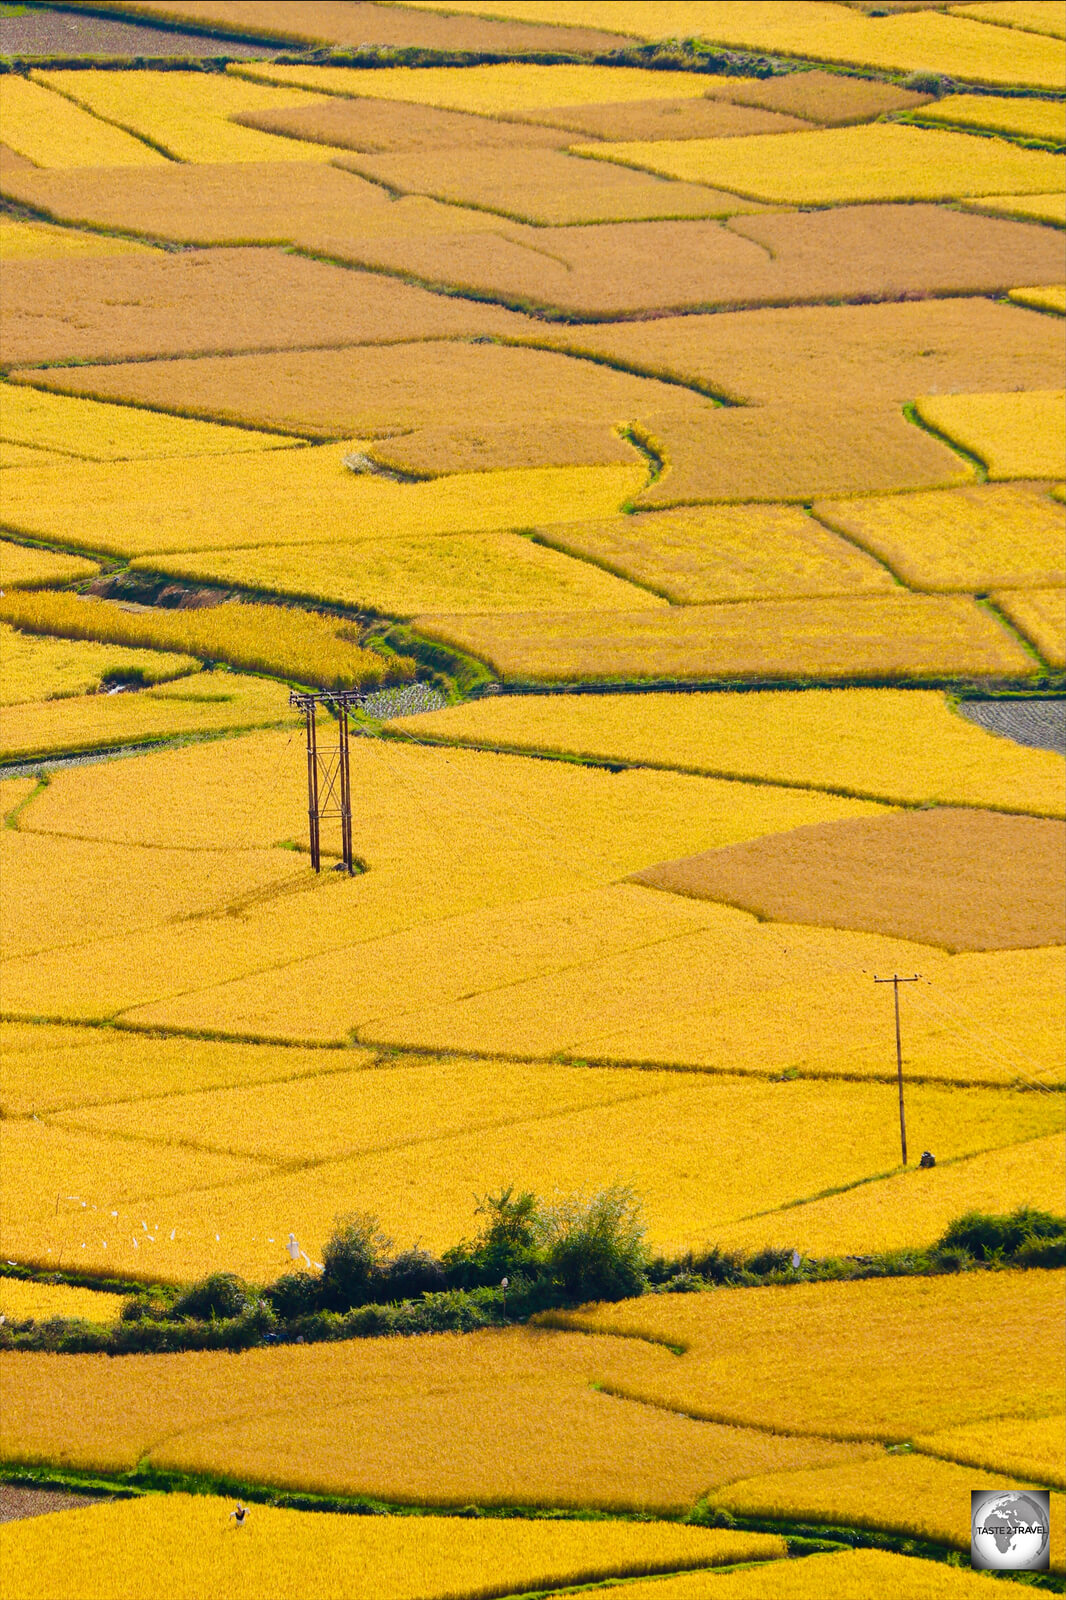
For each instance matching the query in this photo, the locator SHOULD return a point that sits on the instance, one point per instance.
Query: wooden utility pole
(329, 787)
(895, 981)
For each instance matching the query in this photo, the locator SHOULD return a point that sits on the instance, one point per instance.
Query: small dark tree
(351, 1260)
(219, 1296)
(509, 1242)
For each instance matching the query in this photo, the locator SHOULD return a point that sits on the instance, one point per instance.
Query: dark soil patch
(17, 1503)
(64, 33)
(1039, 724)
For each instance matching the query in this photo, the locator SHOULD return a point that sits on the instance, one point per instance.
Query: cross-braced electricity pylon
(329, 786)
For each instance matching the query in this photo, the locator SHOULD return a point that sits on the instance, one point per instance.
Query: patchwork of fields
(657, 410)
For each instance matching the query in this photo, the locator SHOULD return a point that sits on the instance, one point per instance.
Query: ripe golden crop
(36, 669)
(847, 1575)
(916, 1207)
(910, 1494)
(901, 43)
(215, 703)
(50, 1067)
(1027, 207)
(1041, 615)
(352, 1138)
(183, 1546)
(978, 538)
(94, 432)
(827, 1357)
(482, 573)
(186, 114)
(702, 553)
(892, 745)
(1051, 298)
(1026, 1447)
(1015, 435)
(34, 241)
(282, 640)
(390, 1418)
(866, 636)
(53, 132)
(832, 166)
(1035, 16)
(23, 566)
(506, 88)
(294, 497)
(21, 1299)
(1036, 119)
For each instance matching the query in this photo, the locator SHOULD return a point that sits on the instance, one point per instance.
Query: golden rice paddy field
(733, 397)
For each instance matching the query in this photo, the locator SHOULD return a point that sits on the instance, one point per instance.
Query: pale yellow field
(894, 634)
(913, 1494)
(1035, 207)
(1035, 16)
(916, 1207)
(827, 1357)
(699, 554)
(34, 241)
(1051, 298)
(850, 1575)
(392, 1418)
(24, 455)
(401, 577)
(24, 566)
(1030, 1448)
(893, 745)
(1015, 435)
(36, 669)
(47, 1067)
(873, 162)
(182, 1547)
(504, 88)
(1037, 119)
(20, 1300)
(214, 703)
(978, 538)
(281, 640)
(736, 1146)
(1041, 615)
(295, 497)
(904, 42)
(99, 432)
(52, 132)
(187, 114)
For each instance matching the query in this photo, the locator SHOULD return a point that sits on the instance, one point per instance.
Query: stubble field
(668, 441)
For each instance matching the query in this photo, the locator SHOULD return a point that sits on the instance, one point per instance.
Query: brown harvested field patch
(772, 258)
(894, 351)
(396, 125)
(877, 252)
(792, 452)
(355, 22)
(700, 554)
(556, 442)
(975, 538)
(115, 308)
(963, 880)
(324, 210)
(824, 97)
(547, 187)
(711, 118)
(867, 638)
(1041, 615)
(17, 1503)
(374, 391)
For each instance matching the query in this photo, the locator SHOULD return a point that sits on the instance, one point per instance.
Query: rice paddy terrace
(654, 412)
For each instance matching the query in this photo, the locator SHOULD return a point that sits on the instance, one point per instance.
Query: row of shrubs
(527, 1258)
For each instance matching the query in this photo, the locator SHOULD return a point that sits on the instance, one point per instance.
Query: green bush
(509, 1243)
(595, 1248)
(295, 1294)
(219, 1297)
(999, 1238)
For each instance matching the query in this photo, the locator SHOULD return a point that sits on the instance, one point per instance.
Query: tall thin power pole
(329, 784)
(895, 981)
